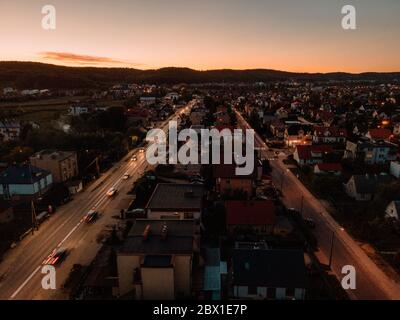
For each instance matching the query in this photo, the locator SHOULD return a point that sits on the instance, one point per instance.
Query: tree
(18, 155)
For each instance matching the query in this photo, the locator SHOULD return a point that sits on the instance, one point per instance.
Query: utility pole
(35, 225)
(301, 206)
(331, 251)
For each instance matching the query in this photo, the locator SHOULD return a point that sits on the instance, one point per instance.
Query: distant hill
(39, 76)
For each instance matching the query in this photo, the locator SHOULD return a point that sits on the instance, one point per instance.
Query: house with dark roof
(364, 187)
(176, 201)
(269, 274)
(24, 182)
(155, 260)
(250, 216)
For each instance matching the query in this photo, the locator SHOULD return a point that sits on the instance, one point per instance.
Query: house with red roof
(329, 135)
(328, 168)
(311, 154)
(258, 216)
(379, 134)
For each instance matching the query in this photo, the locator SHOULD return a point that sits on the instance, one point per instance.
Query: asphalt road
(371, 282)
(20, 269)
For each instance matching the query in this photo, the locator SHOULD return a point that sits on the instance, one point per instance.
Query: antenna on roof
(164, 231)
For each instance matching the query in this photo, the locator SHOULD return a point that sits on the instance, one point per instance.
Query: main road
(20, 269)
(371, 281)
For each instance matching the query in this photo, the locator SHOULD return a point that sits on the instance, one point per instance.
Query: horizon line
(191, 68)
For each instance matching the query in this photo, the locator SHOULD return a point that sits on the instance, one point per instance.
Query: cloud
(84, 60)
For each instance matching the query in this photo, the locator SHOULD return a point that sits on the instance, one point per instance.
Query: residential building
(63, 165)
(176, 201)
(379, 134)
(396, 129)
(24, 182)
(155, 261)
(250, 216)
(9, 130)
(328, 168)
(228, 182)
(393, 210)
(364, 187)
(148, 100)
(311, 154)
(269, 274)
(6, 211)
(298, 134)
(371, 152)
(137, 116)
(78, 109)
(333, 135)
(395, 169)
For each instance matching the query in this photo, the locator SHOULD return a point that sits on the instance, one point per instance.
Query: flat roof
(178, 240)
(175, 196)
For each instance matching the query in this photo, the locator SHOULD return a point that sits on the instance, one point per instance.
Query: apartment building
(63, 165)
(155, 262)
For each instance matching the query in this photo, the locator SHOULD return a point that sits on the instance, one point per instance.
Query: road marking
(25, 282)
(69, 234)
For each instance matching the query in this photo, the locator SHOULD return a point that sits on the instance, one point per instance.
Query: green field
(43, 111)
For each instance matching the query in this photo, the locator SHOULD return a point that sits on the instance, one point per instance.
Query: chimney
(164, 231)
(146, 232)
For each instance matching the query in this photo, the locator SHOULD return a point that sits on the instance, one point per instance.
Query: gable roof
(305, 151)
(269, 268)
(250, 212)
(368, 184)
(333, 131)
(329, 167)
(379, 133)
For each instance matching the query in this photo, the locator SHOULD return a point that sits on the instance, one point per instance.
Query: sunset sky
(292, 35)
